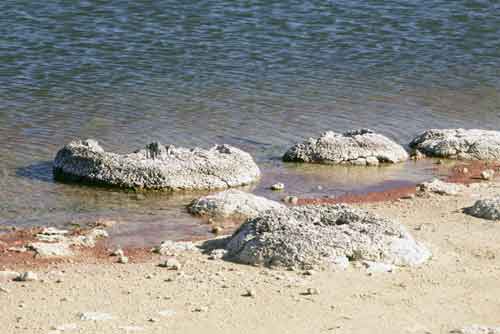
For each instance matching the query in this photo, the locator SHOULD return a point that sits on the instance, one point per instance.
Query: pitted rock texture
(310, 235)
(232, 203)
(485, 208)
(358, 147)
(461, 144)
(156, 167)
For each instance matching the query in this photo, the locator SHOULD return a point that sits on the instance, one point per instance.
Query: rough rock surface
(477, 329)
(440, 187)
(309, 235)
(459, 144)
(156, 167)
(232, 203)
(171, 248)
(58, 249)
(358, 147)
(485, 208)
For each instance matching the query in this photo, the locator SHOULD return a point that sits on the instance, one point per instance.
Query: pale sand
(459, 286)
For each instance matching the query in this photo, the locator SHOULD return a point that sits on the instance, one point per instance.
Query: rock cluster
(231, 203)
(156, 167)
(310, 235)
(459, 144)
(485, 208)
(358, 147)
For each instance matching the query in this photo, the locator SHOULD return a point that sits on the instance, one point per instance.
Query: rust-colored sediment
(461, 172)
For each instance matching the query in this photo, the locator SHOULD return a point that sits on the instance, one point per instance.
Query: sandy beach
(458, 287)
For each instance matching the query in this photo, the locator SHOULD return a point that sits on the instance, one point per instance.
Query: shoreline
(458, 287)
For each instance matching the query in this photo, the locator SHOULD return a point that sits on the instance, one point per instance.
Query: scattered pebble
(487, 174)
(171, 264)
(123, 259)
(291, 200)
(28, 276)
(249, 293)
(312, 291)
(95, 316)
(278, 186)
(200, 309)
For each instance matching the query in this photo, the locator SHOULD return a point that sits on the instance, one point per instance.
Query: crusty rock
(485, 208)
(477, 329)
(440, 187)
(358, 147)
(308, 235)
(171, 248)
(156, 167)
(459, 144)
(58, 249)
(232, 203)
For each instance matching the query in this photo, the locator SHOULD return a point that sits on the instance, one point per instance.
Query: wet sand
(459, 286)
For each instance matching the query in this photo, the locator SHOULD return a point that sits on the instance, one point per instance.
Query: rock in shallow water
(156, 167)
(459, 144)
(310, 235)
(358, 147)
(485, 208)
(232, 203)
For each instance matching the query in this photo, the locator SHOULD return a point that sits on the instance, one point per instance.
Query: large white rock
(485, 208)
(232, 203)
(156, 167)
(459, 144)
(358, 147)
(309, 235)
(58, 249)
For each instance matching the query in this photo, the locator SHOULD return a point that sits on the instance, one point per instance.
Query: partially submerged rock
(309, 235)
(156, 167)
(459, 144)
(231, 203)
(477, 329)
(440, 187)
(485, 208)
(358, 147)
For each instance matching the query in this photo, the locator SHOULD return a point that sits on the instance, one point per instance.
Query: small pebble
(28, 276)
(278, 186)
(312, 291)
(291, 199)
(249, 293)
(123, 259)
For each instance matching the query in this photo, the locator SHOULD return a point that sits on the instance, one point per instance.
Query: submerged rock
(231, 203)
(485, 208)
(310, 235)
(358, 147)
(156, 167)
(440, 187)
(459, 144)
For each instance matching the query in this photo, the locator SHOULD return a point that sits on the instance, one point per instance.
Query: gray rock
(459, 144)
(477, 329)
(440, 187)
(232, 203)
(156, 167)
(309, 235)
(358, 147)
(485, 208)
(59, 249)
(171, 248)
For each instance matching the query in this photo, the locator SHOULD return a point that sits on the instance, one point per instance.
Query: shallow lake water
(259, 75)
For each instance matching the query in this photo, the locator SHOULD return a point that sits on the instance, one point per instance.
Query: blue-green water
(256, 74)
